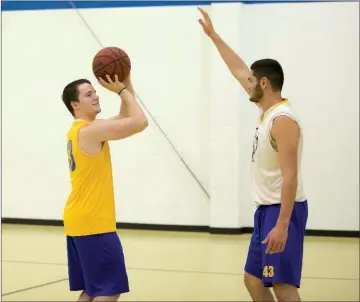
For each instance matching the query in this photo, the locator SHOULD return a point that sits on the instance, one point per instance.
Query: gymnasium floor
(169, 266)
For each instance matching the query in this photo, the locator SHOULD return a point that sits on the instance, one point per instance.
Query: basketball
(111, 61)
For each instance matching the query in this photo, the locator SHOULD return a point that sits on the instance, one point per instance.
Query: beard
(257, 94)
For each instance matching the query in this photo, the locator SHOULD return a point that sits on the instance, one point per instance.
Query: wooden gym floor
(169, 266)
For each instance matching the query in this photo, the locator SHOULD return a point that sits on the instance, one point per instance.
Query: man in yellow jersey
(96, 264)
(276, 247)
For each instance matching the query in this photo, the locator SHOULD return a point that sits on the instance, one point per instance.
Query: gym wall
(191, 166)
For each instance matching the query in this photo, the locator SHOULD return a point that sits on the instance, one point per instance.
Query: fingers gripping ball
(111, 61)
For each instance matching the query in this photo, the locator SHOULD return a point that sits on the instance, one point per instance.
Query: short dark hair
(71, 93)
(270, 69)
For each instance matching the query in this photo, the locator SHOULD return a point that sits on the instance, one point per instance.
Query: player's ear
(75, 104)
(264, 82)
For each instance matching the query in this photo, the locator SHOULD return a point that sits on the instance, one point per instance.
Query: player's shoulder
(287, 110)
(88, 126)
(286, 127)
(285, 118)
(76, 123)
(76, 126)
(90, 130)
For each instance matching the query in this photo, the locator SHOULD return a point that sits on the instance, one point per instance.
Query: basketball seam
(128, 65)
(122, 68)
(110, 63)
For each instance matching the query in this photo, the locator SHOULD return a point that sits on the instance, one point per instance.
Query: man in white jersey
(276, 248)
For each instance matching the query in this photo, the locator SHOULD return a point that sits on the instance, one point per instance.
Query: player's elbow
(290, 177)
(145, 123)
(142, 123)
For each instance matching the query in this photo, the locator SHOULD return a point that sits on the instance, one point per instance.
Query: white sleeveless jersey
(267, 177)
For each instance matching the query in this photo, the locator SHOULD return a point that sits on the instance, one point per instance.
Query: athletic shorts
(96, 265)
(285, 267)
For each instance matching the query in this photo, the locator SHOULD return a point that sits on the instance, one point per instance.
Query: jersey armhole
(102, 144)
(78, 140)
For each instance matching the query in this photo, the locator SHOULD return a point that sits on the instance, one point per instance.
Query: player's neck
(269, 101)
(85, 118)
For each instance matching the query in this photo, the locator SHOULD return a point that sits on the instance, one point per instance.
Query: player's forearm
(123, 110)
(133, 109)
(122, 113)
(130, 88)
(288, 195)
(123, 107)
(230, 57)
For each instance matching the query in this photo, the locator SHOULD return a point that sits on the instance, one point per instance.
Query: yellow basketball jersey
(90, 208)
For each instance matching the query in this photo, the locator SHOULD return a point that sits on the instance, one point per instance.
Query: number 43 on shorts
(268, 271)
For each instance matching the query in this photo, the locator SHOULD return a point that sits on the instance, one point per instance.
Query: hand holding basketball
(111, 61)
(206, 23)
(114, 86)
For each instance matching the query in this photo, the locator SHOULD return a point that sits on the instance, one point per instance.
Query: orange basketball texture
(111, 61)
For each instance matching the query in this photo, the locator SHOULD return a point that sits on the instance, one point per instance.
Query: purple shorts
(285, 267)
(96, 265)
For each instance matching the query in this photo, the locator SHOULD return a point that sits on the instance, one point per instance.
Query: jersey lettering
(71, 159)
(268, 271)
(255, 142)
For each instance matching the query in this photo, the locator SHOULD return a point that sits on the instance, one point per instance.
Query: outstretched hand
(206, 23)
(114, 86)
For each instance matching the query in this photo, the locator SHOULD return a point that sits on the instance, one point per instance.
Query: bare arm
(123, 108)
(235, 64)
(286, 133)
(117, 128)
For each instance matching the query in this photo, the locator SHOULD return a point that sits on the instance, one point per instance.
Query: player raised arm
(123, 108)
(133, 118)
(235, 64)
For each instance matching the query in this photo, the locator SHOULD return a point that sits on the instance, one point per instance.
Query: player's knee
(84, 297)
(286, 292)
(251, 282)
